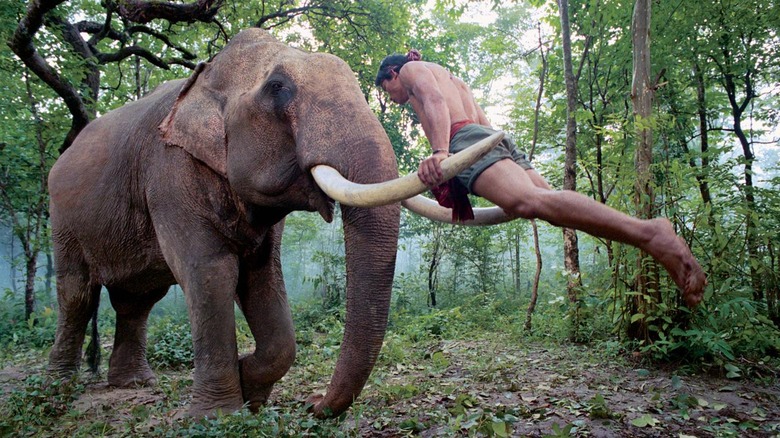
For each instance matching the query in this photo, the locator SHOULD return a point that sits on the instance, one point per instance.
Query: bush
(36, 332)
(727, 327)
(170, 343)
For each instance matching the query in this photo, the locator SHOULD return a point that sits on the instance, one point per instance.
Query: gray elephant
(191, 184)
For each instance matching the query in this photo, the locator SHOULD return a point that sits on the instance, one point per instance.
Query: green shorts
(470, 134)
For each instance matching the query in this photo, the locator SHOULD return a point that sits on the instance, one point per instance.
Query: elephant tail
(93, 349)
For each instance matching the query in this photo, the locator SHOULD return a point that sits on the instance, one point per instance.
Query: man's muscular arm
(429, 102)
(431, 107)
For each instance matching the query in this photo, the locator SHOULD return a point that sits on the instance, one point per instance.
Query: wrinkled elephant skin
(190, 185)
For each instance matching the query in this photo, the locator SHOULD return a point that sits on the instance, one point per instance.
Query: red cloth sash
(452, 194)
(457, 126)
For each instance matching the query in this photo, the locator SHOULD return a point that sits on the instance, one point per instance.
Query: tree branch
(162, 37)
(182, 62)
(124, 52)
(22, 45)
(142, 12)
(287, 15)
(94, 28)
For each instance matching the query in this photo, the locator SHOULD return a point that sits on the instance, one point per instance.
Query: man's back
(456, 94)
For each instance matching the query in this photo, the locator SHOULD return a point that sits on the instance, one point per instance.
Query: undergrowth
(422, 346)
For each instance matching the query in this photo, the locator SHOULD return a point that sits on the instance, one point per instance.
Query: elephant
(190, 185)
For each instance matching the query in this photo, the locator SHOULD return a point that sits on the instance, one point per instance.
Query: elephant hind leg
(78, 298)
(128, 366)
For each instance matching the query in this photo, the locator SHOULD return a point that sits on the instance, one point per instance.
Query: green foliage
(17, 334)
(313, 315)
(470, 418)
(439, 371)
(436, 324)
(598, 409)
(269, 422)
(331, 283)
(37, 405)
(170, 343)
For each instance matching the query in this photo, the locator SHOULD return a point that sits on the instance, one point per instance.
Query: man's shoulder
(416, 70)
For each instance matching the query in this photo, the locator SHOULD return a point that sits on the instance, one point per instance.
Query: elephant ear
(195, 123)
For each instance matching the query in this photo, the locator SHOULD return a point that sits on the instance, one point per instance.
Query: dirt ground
(547, 387)
(470, 388)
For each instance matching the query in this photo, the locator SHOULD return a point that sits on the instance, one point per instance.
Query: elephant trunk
(371, 237)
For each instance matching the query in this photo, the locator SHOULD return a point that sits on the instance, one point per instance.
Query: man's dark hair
(394, 63)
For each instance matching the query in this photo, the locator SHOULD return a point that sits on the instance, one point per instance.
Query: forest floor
(452, 387)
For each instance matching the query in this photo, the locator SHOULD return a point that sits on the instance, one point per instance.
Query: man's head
(393, 63)
(388, 71)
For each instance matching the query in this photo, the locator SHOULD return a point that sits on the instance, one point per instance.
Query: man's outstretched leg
(510, 187)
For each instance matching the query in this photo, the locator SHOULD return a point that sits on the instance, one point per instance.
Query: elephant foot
(212, 394)
(254, 383)
(209, 408)
(132, 379)
(61, 372)
(256, 397)
(64, 361)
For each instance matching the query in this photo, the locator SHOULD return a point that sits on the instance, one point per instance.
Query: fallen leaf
(644, 421)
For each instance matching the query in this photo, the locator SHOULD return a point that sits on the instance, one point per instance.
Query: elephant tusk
(430, 209)
(373, 195)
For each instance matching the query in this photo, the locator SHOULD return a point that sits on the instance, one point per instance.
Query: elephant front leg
(275, 350)
(209, 290)
(263, 300)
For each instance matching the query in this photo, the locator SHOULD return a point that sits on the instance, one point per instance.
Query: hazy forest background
(687, 130)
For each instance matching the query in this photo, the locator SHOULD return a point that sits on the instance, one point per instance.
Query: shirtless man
(452, 120)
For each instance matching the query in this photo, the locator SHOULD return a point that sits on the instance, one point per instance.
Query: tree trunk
(13, 268)
(701, 108)
(773, 287)
(750, 224)
(516, 267)
(642, 99)
(537, 275)
(31, 263)
(571, 255)
(49, 274)
(737, 109)
(433, 271)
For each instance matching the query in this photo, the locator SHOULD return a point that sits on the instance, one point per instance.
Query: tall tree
(571, 252)
(642, 90)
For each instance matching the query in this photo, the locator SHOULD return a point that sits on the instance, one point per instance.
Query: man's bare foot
(673, 253)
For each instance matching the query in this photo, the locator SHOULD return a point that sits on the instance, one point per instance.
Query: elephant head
(264, 116)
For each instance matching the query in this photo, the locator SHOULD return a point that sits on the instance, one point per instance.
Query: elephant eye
(278, 90)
